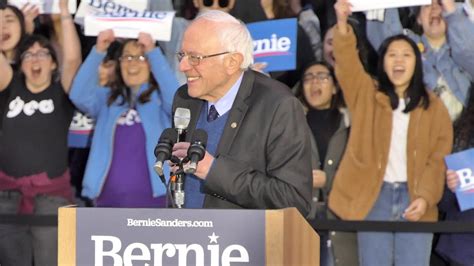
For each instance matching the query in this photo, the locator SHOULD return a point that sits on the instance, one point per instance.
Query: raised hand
(30, 12)
(146, 41)
(343, 11)
(63, 7)
(449, 6)
(104, 39)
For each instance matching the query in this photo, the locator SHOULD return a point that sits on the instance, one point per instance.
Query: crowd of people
(358, 131)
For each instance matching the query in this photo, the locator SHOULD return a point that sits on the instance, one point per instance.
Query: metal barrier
(319, 225)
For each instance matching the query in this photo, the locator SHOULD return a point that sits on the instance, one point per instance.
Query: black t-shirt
(35, 127)
(3, 106)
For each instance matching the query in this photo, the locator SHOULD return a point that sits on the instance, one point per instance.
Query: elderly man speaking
(258, 152)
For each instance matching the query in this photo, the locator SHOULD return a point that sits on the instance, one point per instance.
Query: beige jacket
(360, 176)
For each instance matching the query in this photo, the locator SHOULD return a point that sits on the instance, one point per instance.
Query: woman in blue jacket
(130, 116)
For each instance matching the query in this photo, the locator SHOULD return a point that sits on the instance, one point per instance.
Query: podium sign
(117, 236)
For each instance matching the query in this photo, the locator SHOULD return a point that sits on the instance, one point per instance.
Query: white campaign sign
(109, 7)
(156, 23)
(364, 5)
(45, 6)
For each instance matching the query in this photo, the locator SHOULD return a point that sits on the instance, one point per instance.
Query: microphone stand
(177, 184)
(169, 196)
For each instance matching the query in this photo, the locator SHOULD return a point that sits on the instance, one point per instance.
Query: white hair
(233, 34)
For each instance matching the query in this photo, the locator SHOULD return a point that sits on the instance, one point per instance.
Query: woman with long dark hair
(393, 168)
(130, 115)
(12, 32)
(34, 174)
(444, 33)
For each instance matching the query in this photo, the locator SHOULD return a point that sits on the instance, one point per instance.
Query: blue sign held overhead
(274, 43)
(463, 163)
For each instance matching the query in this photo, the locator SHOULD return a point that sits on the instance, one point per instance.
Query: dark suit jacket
(263, 159)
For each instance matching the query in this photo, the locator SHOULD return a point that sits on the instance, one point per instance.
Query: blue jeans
(387, 248)
(21, 244)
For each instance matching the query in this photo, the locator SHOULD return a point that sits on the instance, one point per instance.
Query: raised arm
(308, 20)
(174, 45)
(460, 32)
(71, 47)
(30, 12)
(6, 70)
(86, 93)
(468, 7)
(161, 70)
(349, 70)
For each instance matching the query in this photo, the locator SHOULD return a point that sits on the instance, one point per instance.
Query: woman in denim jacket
(447, 57)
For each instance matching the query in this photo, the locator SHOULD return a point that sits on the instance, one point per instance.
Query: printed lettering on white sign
(135, 252)
(157, 24)
(109, 7)
(272, 46)
(466, 179)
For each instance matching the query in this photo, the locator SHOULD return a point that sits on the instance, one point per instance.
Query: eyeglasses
(40, 55)
(222, 3)
(320, 76)
(130, 58)
(195, 60)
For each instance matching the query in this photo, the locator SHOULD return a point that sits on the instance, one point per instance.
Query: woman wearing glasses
(34, 175)
(130, 115)
(329, 122)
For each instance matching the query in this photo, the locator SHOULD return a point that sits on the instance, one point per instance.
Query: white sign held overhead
(109, 7)
(365, 5)
(156, 23)
(45, 6)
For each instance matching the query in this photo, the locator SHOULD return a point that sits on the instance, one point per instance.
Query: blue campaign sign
(274, 43)
(463, 163)
(80, 131)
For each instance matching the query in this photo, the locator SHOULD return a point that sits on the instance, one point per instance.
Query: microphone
(182, 116)
(196, 150)
(163, 150)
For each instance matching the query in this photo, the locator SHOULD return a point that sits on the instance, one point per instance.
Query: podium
(121, 236)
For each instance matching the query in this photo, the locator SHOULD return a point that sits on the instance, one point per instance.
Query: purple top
(128, 181)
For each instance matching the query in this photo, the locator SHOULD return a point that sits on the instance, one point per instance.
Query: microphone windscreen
(169, 135)
(181, 118)
(199, 135)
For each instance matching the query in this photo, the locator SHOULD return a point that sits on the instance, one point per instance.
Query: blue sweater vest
(193, 188)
